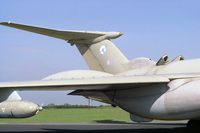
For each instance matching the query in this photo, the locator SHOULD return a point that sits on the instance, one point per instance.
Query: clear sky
(151, 28)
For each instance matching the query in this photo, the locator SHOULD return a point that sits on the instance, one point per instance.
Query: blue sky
(151, 28)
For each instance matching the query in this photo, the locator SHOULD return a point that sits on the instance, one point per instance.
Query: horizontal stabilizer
(73, 36)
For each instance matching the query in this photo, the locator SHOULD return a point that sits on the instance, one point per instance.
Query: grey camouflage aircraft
(148, 90)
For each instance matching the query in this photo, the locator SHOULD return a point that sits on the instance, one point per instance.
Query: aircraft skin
(164, 90)
(12, 105)
(18, 109)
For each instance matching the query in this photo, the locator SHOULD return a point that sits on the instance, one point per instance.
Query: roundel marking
(102, 49)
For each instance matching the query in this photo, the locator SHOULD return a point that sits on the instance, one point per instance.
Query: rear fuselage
(177, 100)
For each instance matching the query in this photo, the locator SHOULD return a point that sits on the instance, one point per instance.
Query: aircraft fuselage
(177, 100)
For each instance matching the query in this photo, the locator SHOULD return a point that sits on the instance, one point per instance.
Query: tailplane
(96, 47)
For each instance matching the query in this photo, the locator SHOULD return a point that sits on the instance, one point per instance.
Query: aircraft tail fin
(104, 56)
(96, 47)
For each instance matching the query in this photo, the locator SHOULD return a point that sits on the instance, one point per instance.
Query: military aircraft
(148, 90)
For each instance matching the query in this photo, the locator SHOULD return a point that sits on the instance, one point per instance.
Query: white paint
(14, 96)
(108, 62)
(102, 49)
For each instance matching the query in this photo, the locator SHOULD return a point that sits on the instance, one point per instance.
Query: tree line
(66, 105)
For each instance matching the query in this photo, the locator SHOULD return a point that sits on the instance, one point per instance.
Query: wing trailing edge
(102, 83)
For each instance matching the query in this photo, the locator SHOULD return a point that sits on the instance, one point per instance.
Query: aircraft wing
(117, 82)
(69, 35)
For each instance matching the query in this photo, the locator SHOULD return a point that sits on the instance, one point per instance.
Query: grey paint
(18, 109)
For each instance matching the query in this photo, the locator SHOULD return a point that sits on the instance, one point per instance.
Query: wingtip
(120, 33)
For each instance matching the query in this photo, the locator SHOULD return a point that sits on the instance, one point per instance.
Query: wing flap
(84, 84)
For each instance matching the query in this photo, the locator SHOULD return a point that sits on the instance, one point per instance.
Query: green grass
(75, 115)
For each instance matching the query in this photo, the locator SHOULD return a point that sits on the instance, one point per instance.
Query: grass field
(99, 115)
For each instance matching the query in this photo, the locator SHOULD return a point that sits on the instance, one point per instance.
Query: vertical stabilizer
(97, 49)
(104, 56)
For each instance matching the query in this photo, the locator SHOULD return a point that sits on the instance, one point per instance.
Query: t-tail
(96, 47)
